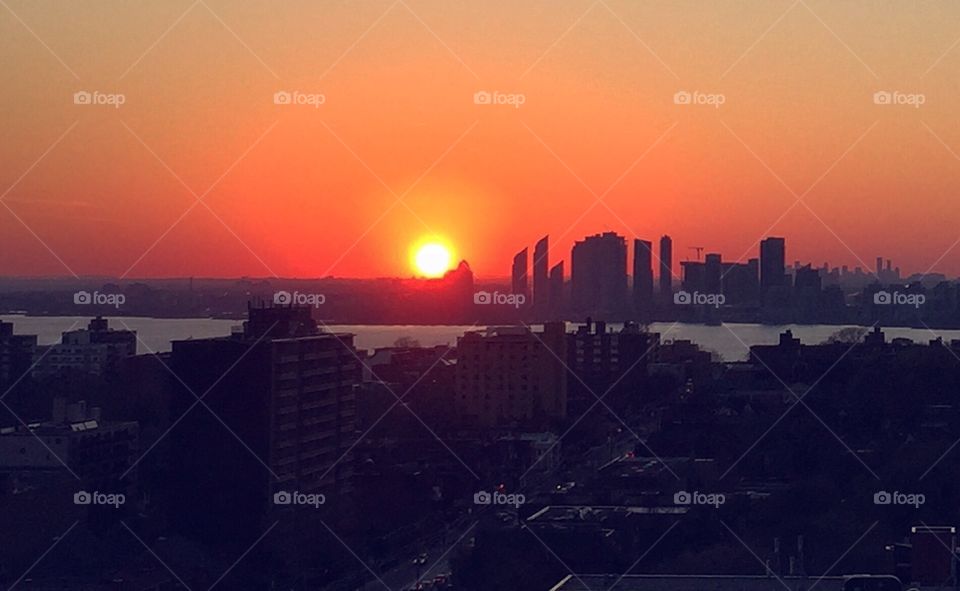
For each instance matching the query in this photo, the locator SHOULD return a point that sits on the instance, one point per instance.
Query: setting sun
(432, 259)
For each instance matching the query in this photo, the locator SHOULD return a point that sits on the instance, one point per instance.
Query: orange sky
(304, 191)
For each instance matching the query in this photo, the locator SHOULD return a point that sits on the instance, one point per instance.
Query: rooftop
(585, 513)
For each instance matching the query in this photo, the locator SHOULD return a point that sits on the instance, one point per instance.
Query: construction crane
(699, 250)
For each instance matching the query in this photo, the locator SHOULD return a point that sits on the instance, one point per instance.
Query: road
(438, 554)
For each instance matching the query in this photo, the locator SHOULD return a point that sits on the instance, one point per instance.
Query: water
(156, 334)
(730, 341)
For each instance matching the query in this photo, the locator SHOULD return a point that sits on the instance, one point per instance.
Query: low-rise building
(77, 438)
(93, 350)
(511, 376)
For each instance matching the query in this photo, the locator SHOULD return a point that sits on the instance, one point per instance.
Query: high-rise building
(519, 271)
(511, 376)
(741, 282)
(642, 275)
(773, 254)
(541, 262)
(279, 415)
(808, 294)
(556, 291)
(666, 268)
(599, 275)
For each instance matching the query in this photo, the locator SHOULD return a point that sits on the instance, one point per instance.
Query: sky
(199, 172)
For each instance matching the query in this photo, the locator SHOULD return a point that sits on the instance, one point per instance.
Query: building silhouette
(693, 276)
(541, 278)
(511, 377)
(599, 275)
(556, 301)
(280, 415)
(601, 359)
(519, 272)
(807, 280)
(16, 354)
(666, 268)
(713, 273)
(741, 282)
(94, 350)
(773, 254)
(100, 452)
(807, 292)
(642, 276)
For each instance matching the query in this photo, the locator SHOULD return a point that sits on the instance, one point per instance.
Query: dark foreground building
(278, 413)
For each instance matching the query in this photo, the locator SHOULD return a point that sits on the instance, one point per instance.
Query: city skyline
(661, 265)
(428, 295)
(800, 144)
(690, 254)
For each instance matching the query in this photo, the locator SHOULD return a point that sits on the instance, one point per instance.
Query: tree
(408, 342)
(849, 335)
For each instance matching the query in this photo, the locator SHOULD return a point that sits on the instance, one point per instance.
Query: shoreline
(507, 322)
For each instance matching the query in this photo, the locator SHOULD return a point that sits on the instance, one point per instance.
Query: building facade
(280, 415)
(511, 377)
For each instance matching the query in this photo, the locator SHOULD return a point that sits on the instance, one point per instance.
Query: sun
(432, 259)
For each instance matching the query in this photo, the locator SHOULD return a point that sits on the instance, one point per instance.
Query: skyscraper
(518, 273)
(741, 282)
(773, 256)
(666, 268)
(555, 302)
(599, 275)
(642, 275)
(541, 293)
